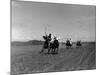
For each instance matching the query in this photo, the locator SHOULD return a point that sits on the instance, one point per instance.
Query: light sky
(29, 20)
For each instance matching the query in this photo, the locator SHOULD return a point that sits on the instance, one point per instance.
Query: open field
(26, 59)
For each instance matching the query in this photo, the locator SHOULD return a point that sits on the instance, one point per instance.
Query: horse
(54, 46)
(78, 44)
(68, 44)
(45, 45)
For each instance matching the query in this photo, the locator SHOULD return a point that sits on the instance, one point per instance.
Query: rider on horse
(68, 43)
(47, 39)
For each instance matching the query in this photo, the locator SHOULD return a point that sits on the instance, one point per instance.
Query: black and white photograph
(52, 37)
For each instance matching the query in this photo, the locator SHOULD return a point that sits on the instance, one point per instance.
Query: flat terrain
(27, 59)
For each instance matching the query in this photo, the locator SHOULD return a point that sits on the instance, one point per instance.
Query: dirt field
(26, 59)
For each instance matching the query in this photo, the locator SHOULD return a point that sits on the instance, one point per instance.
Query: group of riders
(52, 44)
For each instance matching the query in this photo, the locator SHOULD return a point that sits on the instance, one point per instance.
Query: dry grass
(26, 59)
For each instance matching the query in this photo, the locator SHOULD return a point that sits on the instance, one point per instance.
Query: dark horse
(78, 44)
(54, 46)
(68, 43)
(46, 44)
(51, 47)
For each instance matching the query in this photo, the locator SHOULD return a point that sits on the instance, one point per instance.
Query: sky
(30, 21)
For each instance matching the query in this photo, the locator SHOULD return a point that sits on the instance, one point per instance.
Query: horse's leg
(57, 51)
(48, 50)
(52, 50)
